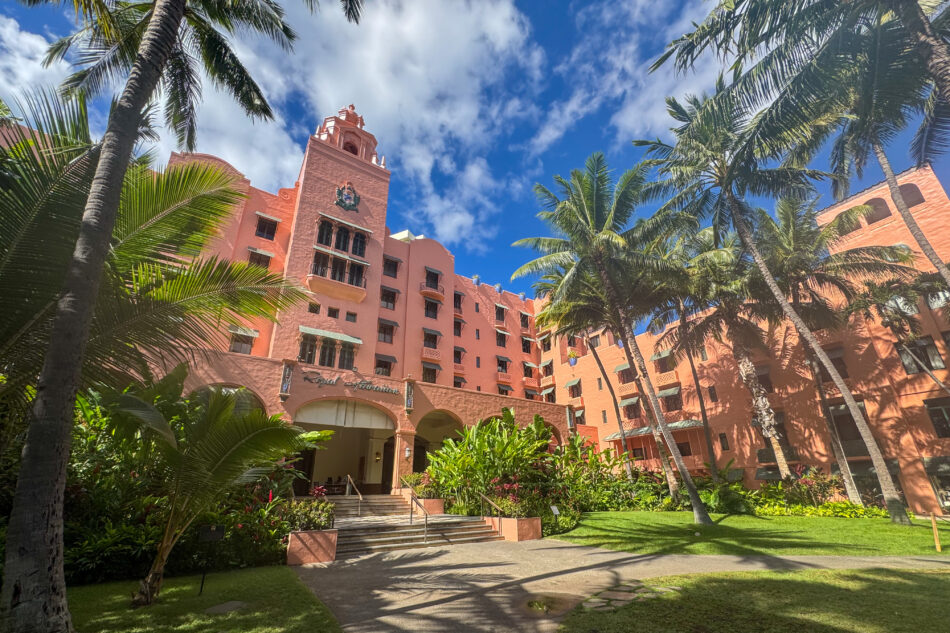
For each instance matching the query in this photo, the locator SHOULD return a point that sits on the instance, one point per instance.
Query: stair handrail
(414, 501)
(359, 504)
(494, 505)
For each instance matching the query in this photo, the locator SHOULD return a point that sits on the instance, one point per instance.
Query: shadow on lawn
(806, 602)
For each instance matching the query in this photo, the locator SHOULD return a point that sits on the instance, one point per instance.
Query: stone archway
(360, 446)
(432, 429)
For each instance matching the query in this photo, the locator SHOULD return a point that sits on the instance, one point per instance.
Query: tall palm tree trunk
(764, 414)
(909, 220)
(932, 47)
(707, 432)
(613, 398)
(889, 491)
(34, 590)
(851, 488)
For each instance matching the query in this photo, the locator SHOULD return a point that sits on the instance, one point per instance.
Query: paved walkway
(485, 587)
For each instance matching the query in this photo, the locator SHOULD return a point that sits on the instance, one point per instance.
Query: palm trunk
(932, 47)
(891, 497)
(851, 488)
(707, 432)
(613, 398)
(34, 589)
(762, 408)
(894, 187)
(700, 515)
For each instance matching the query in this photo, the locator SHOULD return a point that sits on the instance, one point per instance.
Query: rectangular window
(308, 349)
(500, 339)
(499, 313)
(939, 411)
(387, 298)
(603, 415)
(665, 364)
(390, 267)
(476, 306)
(342, 239)
(359, 245)
(546, 344)
(428, 374)
(723, 442)
(458, 383)
(430, 340)
(313, 308)
(432, 279)
(338, 269)
(780, 430)
(844, 423)
(386, 332)
(325, 233)
(632, 411)
(241, 344)
(327, 353)
(502, 391)
(357, 276)
(457, 356)
(637, 453)
(266, 228)
(503, 366)
(432, 309)
(347, 355)
(549, 397)
(595, 341)
(713, 395)
(702, 354)
(528, 395)
(333, 313)
(321, 264)
(383, 367)
(457, 328)
(765, 379)
(571, 341)
(574, 391)
(600, 385)
(837, 359)
(351, 317)
(457, 301)
(685, 449)
(478, 335)
(525, 322)
(922, 351)
(673, 403)
(548, 370)
(528, 371)
(526, 345)
(258, 259)
(478, 362)
(625, 376)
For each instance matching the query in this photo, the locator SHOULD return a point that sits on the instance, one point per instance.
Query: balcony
(430, 353)
(547, 381)
(532, 382)
(767, 456)
(457, 310)
(459, 368)
(666, 378)
(503, 377)
(433, 291)
(577, 403)
(323, 280)
(627, 388)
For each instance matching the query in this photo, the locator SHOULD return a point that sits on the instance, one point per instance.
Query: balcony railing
(767, 456)
(459, 368)
(627, 388)
(431, 354)
(502, 376)
(432, 290)
(547, 381)
(336, 275)
(577, 403)
(532, 382)
(667, 378)
(457, 309)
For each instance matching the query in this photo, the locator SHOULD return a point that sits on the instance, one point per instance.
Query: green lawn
(859, 601)
(675, 533)
(276, 601)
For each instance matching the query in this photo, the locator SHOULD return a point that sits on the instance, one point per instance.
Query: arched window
(325, 234)
(359, 244)
(342, 239)
(351, 147)
(912, 195)
(879, 210)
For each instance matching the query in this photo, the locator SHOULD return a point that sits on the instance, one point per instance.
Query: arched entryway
(361, 446)
(434, 428)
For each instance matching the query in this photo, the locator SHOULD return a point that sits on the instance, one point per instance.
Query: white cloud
(21, 61)
(611, 71)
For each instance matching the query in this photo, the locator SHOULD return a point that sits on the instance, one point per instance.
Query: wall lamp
(408, 452)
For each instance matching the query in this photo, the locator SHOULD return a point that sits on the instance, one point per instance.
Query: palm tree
(789, 31)
(153, 303)
(591, 220)
(727, 311)
(713, 164)
(201, 453)
(818, 282)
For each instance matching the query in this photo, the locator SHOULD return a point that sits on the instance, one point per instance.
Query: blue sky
(472, 103)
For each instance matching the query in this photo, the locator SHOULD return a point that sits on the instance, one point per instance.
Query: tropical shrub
(844, 509)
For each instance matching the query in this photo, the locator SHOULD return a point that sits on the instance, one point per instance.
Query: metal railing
(351, 485)
(498, 510)
(413, 502)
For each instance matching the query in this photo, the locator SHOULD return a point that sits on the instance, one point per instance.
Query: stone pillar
(402, 465)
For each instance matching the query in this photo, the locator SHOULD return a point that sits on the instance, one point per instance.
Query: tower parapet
(345, 131)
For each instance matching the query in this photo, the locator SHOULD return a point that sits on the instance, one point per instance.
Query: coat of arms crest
(347, 197)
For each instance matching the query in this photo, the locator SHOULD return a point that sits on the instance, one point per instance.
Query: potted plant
(572, 357)
(310, 540)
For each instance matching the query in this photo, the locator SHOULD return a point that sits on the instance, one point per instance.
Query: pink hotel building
(395, 352)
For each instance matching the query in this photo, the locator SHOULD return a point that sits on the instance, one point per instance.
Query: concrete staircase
(380, 523)
(346, 506)
(354, 539)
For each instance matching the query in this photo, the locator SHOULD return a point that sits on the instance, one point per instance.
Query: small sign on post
(555, 511)
(208, 534)
(933, 524)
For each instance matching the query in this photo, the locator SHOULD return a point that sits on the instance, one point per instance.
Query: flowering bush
(811, 486)
(318, 492)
